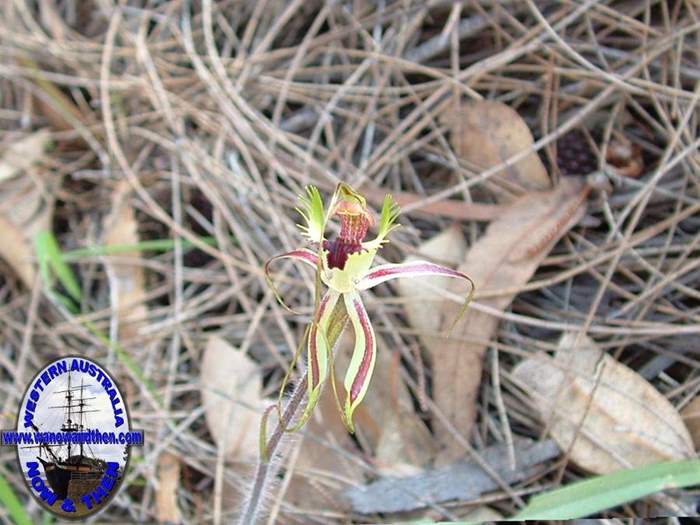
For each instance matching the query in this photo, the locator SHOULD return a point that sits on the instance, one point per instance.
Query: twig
(436, 45)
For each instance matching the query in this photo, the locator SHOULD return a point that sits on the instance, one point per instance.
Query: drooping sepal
(302, 255)
(318, 351)
(361, 366)
(385, 272)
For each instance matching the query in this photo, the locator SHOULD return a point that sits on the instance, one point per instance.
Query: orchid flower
(344, 265)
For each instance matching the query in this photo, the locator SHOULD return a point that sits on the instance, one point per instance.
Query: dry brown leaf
(504, 258)
(691, 416)
(168, 484)
(127, 280)
(231, 388)
(17, 251)
(447, 248)
(22, 154)
(627, 423)
(486, 133)
(24, 203)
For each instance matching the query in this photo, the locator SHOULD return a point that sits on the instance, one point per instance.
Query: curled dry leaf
(231, 387)
(24, 203)
(500, 262)
(485, 133)
(168, 484)
(691, 416)
(127, 278)
(624, 421)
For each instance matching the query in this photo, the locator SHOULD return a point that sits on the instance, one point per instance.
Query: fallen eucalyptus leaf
(482, 515)
(448, 248)
(25, 203)
(624, 421)
(503, 259)
(691, 416)
(127, 279)
(167, 510)
(486, 133)
(231, 387)
(16, 250)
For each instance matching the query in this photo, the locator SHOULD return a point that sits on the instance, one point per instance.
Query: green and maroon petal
(361, 366)
(318, 350)
(386, 272)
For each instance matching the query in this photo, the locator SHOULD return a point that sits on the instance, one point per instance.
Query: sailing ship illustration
(71, 469)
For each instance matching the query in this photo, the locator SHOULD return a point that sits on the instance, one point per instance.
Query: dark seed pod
(574, 154)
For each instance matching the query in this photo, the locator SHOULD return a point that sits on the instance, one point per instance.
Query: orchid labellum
(344, 265)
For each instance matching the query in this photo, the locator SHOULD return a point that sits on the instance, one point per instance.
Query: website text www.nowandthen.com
(85, 437)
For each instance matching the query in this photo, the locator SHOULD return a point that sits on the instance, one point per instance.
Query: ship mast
(74, 420)
(82, 406)
(68, 425)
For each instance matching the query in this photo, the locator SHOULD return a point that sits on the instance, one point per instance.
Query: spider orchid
(344, 266)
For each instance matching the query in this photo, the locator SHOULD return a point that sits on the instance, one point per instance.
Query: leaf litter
(605, 415)
(24, 202)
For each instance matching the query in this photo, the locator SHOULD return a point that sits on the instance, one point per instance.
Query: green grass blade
(157, 245)
(49, 254)
(11, 502)
(590, 496)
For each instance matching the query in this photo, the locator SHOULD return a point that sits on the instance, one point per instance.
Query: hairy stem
(264, 469)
